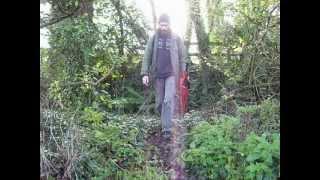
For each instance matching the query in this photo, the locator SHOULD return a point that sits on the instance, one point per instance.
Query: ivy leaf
(252, 157)
(193, 145)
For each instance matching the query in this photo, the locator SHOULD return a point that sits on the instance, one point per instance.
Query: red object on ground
(184, 92)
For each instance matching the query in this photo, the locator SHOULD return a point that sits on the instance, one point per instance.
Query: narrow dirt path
(169, 151)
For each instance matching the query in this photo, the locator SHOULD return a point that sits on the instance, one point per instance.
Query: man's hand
(145, 80)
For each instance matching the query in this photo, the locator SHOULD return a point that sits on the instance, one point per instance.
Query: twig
(117, 165)
(260, 85)
(56, 20)
(142, 106)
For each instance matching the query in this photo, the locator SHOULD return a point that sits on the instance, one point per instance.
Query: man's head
(164, 23)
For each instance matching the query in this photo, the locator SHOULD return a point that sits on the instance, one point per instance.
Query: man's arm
(147, 57)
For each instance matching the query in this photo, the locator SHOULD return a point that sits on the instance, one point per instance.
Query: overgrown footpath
(90, 144)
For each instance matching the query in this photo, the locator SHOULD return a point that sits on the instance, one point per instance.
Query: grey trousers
(165, 100)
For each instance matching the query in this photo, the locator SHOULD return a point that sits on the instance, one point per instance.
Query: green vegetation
(216, 149)
(95, 117)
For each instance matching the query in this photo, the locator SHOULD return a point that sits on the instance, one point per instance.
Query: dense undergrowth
(94, 147)
(245, 146)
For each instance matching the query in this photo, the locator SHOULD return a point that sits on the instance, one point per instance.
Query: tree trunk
(86, 8)
(203, 42)
(120, 40)
(154, 16)
(215, 14)
(188, 34)
(60, 9)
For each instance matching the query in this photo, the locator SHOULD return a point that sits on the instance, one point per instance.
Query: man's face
(164, 26)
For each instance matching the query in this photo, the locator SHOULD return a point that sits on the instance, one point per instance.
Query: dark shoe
(167, 135)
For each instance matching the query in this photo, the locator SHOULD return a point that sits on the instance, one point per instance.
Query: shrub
(270, 116)
(210, 148)
(262, 118)
(262, 156)
(214, 152)
(115, 153)
(91, 116)
(61, 145)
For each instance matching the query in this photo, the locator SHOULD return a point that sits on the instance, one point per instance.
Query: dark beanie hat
(164, 18)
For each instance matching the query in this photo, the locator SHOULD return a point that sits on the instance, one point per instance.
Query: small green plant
(147, 173)
(92, 116)
(262, 156)
(270, 116)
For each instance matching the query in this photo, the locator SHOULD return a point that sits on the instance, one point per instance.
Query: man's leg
(159, 87)
(168, 105)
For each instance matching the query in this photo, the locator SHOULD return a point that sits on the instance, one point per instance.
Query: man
(164, 60)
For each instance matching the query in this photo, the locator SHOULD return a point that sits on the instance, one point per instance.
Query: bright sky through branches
(44, 7)
(176, 9)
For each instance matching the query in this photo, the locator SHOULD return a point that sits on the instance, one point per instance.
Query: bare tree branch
(56, 20)
(63, 11)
